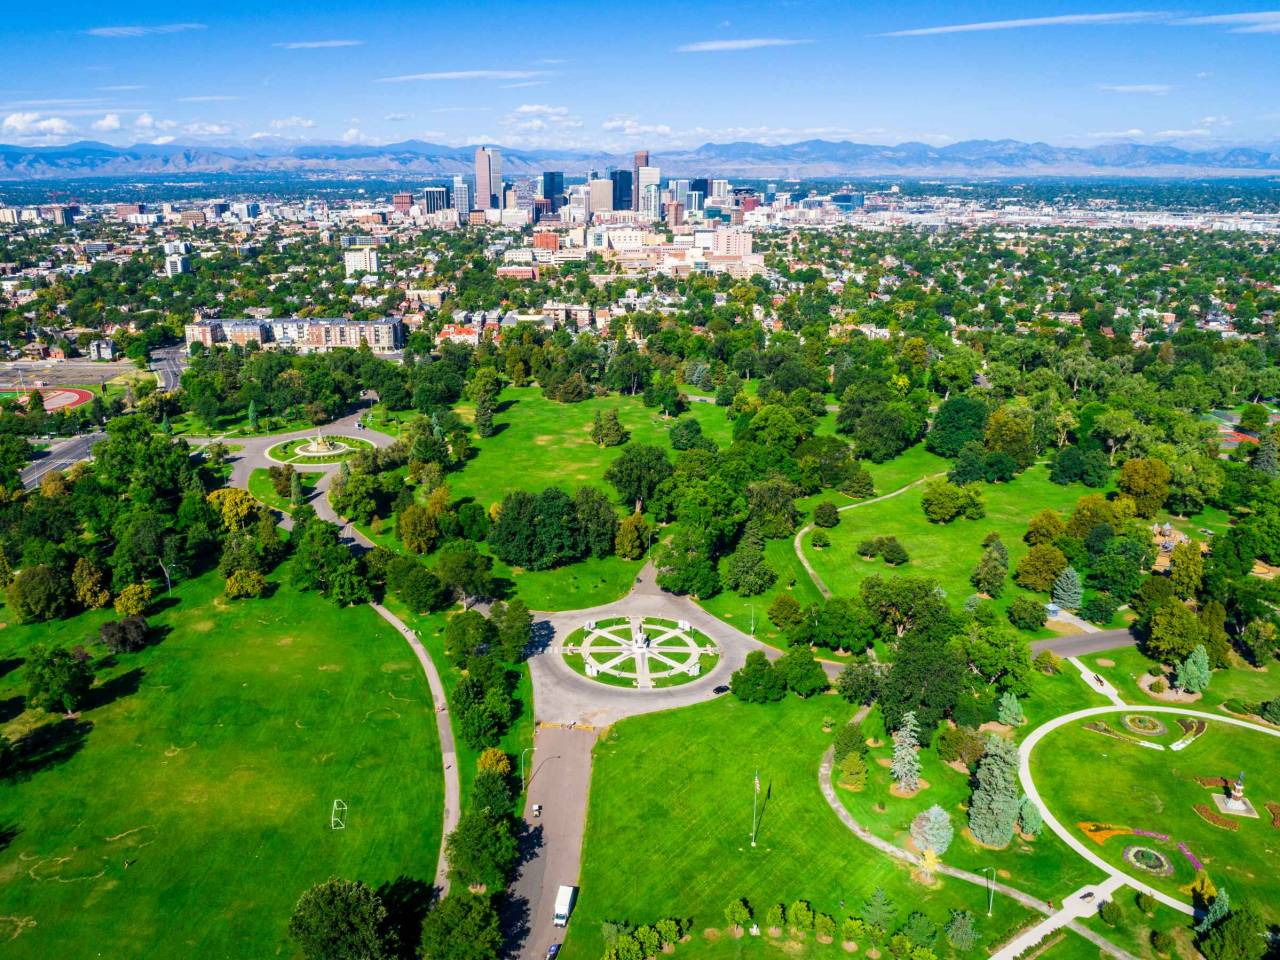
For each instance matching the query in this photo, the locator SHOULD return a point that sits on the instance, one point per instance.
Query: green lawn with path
(1123, 668)
(189, 804)
(260, 486)
(671, 798)
(1086, 776)
(946, 552)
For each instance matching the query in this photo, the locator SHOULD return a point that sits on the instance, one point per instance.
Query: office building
(126, 210)
(434, 199)
(553, 188)
(693, 201)
(175, 264)
(639, 162)
(701, 184)
(361, 262)
(621, 189)
(401, 202)
(488, 178)
(719, 190)
(248, 210)
(462, 196)
(601, 195)
(647, 177)
(651, 202)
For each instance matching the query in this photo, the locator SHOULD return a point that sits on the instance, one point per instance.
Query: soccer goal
(338, 815)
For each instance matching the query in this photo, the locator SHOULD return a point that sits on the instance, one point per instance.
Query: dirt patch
(995, 726)
(201, 626)
(329, 667)
(895, 791)
(968, 835)
(848, 946)
(711, 934)
(1170, 694)
(285, 642)
(1104, 662)
(958, 766)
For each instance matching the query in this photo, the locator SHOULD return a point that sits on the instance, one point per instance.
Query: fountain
(1236, 804)
(318, 446)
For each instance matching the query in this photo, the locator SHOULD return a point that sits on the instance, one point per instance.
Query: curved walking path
(1052, 822)
(906, 856)
(796, 542)
(252, 456)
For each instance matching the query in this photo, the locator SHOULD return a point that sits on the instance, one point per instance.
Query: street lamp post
(522, 753)
(991, 888)
(753, 619)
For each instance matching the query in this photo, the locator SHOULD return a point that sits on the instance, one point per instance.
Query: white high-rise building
(646, 177)
(651, 202)
(461, 196)
(579, 203)
(719, 189)
(361, 261)
(175, 264)
(601, 195)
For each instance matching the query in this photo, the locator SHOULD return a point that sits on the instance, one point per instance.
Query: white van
(564, 904)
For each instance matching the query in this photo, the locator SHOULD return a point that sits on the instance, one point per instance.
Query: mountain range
(807, 159)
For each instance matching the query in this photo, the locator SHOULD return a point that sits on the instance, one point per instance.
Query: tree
(341, 920)
(747, 571)
(878, 909)
(738, 914)
(484, 417)
(1219, 907)
(959, 420)
(993, 568)
(893, 552)
(993, 808)
(637, 473)
(1067, 590)
(1040, 567)
(421, 590)
(514, 625)
(482, 850)
(462, 926)
(1193, 673)
(960, 932)
(597, 523)
(1242, 935)
(1186, 569)
(785, 611)
(802, 673)
(757, 680)
(1259, 639)
(1009, 710)
(1267, 460)
(632, 537)
(1147, 481)
(1173, 632)
(89, 583)
(1030, 819)
(1011, 430)
(57, 679)
(296, 495)
(133, 600)
(37, 593)
(943, 501)
(1026, 613)
(932, 830)
(826, 514)
(245, 583)
(1045, 527)
(123, 636)
(905, 766)
(463, 568)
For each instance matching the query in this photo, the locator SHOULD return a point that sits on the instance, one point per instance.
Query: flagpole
(755, 800)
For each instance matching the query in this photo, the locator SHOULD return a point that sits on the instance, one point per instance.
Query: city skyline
(236, 74)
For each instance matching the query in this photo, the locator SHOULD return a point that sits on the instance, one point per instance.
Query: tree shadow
(122, 685)
(407, 900)
(163, 603)
(540, 636)
(501, 588)
(528, 843)
(11, 707)
(502, 406)
(499, 428)
(8, 833)
(49, 745)
(10, 664)
(514, 919)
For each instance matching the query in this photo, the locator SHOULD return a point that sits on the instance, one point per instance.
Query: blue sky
(659, 74)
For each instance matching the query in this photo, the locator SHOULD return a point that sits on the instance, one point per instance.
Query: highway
(61, 456)
(168, 363)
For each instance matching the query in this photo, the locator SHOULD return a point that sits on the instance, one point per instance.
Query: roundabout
(320, 449)
(641, 652)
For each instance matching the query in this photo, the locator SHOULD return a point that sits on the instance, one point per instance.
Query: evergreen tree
(932, 830)
(1029, 817)
(295, 488)
(1218, 910)
(1067, 592)
(1193, 673)
(484, 416)
(597, 430)
(993, 809)
(905, 767)
(252, 415)
(1265, 460)
(878, 909)
(1009, 710)
(1241, 935)
(992, 570)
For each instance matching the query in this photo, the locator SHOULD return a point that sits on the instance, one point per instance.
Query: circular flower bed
(1144, 725)
(1152, 861)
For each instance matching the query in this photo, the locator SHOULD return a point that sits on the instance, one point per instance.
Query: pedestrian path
(1083, 903)
(1097, 683)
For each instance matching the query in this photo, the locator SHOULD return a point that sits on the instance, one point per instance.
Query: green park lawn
(1156, 790)
(188, 805)
(542, 442)
(909, 466)
(946, 552)
(671, 799)
(1124, 667)
(260, 486)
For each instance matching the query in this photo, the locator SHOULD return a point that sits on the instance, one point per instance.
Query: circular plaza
(644, 653)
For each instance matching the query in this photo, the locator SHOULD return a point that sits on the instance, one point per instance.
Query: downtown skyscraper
(488, 178)
(641, 160)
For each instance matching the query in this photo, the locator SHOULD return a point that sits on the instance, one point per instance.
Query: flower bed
(1151, 861)
(1097, 726)
(1100, 833)
(1213, 781)
(1209, 815)
(1191, 857)
(1191, 731)
(1144, 725)
(1273, 808)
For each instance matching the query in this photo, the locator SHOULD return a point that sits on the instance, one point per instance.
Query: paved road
(1070, 839)
(1083, 903)
(61, 456)
(168, 363)
(1079, 644)
(560, 781)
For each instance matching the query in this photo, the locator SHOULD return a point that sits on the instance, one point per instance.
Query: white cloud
(201, 128)
(754, 43)
(1215, 121)
(1153, 89)
(540, 117)
(466, 75)
(291, 122)
(32, 124)
(1182, 134)
(542, 109)
(631, 127)
(139, 31)
(525, 83)
(1065, 20)
(1116, 134)
(145, 121)
(355, 135)
(1261, 21)
(108, 123)
(123, 87)
(161, 141)
(318, 44)
(209, 98)
(552, 61)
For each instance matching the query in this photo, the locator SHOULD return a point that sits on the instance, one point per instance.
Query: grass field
(1156, 790)
(541, 442)
(1244, 683)
(669, 827)
(188, 806)
(946, 552)
(260, 486)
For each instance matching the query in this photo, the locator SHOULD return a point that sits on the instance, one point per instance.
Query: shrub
(849, 739)
(1026, 613)
(820, 540)
(960, 743)
(1158, 685)
(1111, 913)
(785, 611)
(853, 772)
(869, 548)
(1271, 711)
(133, 600)
(243, 583)
(826, 514)
(893, 552)
(1162, 941)
(1145, 901)
(1047, 662)
(1099, 608)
